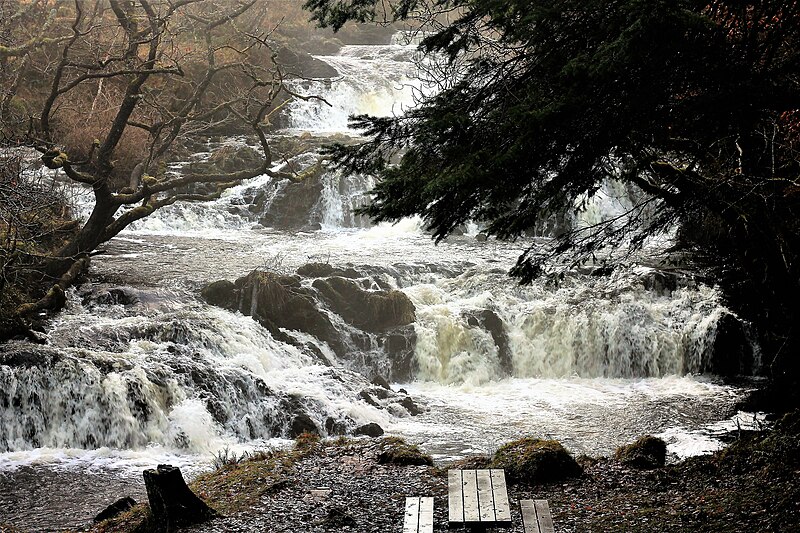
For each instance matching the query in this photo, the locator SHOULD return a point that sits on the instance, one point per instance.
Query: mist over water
(138, 370)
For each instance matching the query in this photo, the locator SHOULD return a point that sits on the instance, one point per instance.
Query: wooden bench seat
(478, 498)
(536, 516)
(419, 515)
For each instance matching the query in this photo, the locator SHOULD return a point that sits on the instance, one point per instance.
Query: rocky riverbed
(357, 485)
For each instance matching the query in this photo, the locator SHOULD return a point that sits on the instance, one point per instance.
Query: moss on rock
(397, 451)
(531, 460)
(646, 453)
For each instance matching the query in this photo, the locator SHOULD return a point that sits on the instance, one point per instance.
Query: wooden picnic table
(478, 499)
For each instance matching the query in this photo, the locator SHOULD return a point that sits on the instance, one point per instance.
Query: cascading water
(132, 373)
(373, 80)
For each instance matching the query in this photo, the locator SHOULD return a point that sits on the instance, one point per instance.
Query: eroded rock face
(278, 301)
(378, 338)
(488, 320)
(372, 311)
(292, 207)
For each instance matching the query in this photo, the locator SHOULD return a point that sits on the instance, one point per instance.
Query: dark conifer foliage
(695, 104)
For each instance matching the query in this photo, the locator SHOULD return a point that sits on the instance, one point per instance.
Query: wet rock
(381, 382)
(369, 430)
(233, 158)
(481, 237)
(372, 311)
(646, 453)
(293, 207)
(660, 282)
(367, 397)
(302, 423)
(409, 405)
(116, 296)
(488, 320)
(336, 427)
(380, 393)
(115, 509)
(278, 301)
(220, 293)
(324, 270)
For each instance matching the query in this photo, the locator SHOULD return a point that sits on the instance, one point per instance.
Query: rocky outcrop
(488, 320)
(378, 338)
(373, 311)
(732, 353)
(294, 203)
(304, 65)
(276, 302)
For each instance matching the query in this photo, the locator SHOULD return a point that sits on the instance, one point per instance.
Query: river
(139, 370)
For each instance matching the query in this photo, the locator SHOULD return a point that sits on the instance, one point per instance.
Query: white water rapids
(138, 370)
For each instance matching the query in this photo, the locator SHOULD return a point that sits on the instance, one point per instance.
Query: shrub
(532, 460)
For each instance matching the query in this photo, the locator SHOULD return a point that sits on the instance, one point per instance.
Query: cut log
(172, 503)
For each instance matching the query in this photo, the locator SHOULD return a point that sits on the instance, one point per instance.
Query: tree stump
(172, 503)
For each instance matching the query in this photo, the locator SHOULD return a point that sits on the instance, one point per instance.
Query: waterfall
(188, 378)
(373, 80)
(596, 328)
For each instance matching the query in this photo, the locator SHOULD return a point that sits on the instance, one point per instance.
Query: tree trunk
(172, 503)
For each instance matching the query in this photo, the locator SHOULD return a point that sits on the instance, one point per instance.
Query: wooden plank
(455, 497)
(529, 522)
(411, 522)
(471, 510)
(485, 498)
(543, 515)
(502, 509)
(426, 515)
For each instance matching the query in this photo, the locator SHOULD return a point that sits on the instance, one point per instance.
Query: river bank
(351, 485)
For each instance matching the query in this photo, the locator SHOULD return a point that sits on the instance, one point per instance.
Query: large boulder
(646, 453)
(221, 293)
(276, 302)
(531, 460)
(373, 311)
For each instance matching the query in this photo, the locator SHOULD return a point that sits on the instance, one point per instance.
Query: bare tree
(126, 81)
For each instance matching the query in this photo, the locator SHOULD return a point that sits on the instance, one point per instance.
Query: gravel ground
(345, 489)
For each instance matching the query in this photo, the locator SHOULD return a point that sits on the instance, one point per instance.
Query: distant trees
(108, 91)
(694, 103)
